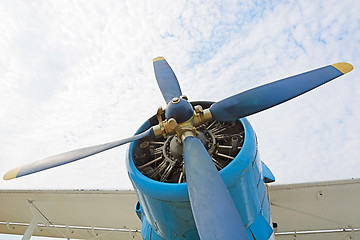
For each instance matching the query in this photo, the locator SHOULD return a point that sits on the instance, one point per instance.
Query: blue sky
(75, 74)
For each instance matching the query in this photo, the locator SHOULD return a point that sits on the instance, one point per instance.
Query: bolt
(172, 123)
(198, 109)
(175, 100)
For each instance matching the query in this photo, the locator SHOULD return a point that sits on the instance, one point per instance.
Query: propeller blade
(272, 94)
(71, 156)
(166, 79)
(214, 211)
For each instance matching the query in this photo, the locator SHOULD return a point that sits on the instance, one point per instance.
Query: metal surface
(166, 206)
(35, 220)
(339, 234)
(268, 176)
(166, 79)
(272, 94)
(179, 109)
(162, 160)
(71, 213)
(69, 157)
(303, 213)
(322, 207)
(214, 211)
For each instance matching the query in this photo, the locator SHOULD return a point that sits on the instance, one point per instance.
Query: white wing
(74, 214)
(316, 211)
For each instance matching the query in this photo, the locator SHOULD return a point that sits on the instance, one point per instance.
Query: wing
(317, 211)
(73, 214)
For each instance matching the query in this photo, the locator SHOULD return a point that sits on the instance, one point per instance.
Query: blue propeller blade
(272, 94)
(71, 156)
(166, 79)
(214, 211)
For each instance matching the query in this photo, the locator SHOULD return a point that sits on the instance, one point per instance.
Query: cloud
(80, 73)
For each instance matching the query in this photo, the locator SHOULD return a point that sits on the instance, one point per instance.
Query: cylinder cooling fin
(162, 160)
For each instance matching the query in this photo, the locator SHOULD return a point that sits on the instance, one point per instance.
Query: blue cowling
(165, 207)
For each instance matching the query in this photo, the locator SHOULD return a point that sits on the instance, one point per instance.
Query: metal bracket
(160, 111)
(36, 219)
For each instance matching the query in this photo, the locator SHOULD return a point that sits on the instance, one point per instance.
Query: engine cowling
(155, 170)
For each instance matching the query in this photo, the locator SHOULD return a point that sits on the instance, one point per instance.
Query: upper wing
(317, 211)
(71, 214)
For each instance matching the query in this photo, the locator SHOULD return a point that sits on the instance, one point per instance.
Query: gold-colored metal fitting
(186, 134)
(198, 109)
(183, 130)
(175, 100)
(201, 116)
(172, 123)
(184, 97)
(170, 127)
(160, 129)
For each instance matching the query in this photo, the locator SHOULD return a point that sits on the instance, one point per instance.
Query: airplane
(196, 174)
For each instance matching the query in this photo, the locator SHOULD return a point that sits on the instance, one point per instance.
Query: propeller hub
(179, 109)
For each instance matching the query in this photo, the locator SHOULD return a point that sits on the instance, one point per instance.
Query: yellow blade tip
(343, 67)
(158, 59)
(11, 174)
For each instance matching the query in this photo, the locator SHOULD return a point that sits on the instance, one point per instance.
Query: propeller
(71, 156)
(214, 211)
(166, 79)
(272, 94)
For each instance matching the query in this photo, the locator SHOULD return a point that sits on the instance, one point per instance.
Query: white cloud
(80, 73)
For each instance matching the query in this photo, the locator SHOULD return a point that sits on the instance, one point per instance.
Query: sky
(79, 73)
